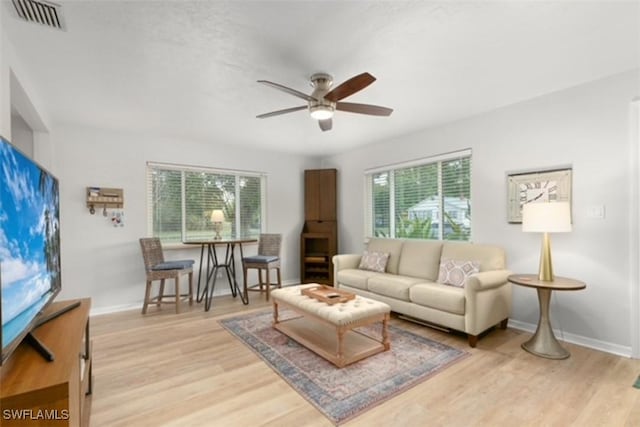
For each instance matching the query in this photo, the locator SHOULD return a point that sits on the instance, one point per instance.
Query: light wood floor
(164, 369)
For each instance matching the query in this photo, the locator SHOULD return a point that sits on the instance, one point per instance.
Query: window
(181, 199)
(424, 199)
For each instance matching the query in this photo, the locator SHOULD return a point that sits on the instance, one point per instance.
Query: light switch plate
(596, 212)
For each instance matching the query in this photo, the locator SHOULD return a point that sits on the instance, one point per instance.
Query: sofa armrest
(342, 262)
(486, 280)
(488, 300)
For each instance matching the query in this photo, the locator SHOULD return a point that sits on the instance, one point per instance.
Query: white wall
(105, 262)
(5, 102)
(19, 95)
(21, 135)
(586, 127)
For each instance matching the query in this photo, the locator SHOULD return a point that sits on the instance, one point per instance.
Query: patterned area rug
(341, 394)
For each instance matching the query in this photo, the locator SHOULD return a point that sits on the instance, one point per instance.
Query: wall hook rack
(102, 197)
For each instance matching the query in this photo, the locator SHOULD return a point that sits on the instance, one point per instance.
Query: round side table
(544, 343)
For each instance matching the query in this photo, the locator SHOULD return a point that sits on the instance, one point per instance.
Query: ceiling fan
(323, 101)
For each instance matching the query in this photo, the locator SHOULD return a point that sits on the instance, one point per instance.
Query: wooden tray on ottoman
(328, 294)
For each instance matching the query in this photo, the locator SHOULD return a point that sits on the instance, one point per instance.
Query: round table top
(219, 241)
(558, 283)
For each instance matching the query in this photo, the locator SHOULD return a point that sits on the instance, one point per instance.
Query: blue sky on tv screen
(29, 230)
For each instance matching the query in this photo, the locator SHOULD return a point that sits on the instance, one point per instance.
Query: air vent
(40, 12)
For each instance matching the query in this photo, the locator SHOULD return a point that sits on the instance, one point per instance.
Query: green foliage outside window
(182, 201)
(414, 202)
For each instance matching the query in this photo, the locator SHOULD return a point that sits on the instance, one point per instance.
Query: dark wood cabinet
(319, 237)
(320, 195)
(317, 246)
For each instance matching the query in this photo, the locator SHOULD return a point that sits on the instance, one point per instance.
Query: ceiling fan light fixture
(321, 112)
(325, 100)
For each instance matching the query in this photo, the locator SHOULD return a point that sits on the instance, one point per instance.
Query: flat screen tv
(29, 244)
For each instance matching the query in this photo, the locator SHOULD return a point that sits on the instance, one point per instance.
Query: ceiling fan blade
(351, 86)
(279, 112)
(326, 124)
(288, 90)
(373, 110)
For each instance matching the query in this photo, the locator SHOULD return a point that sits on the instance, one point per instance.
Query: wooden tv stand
(35, 392)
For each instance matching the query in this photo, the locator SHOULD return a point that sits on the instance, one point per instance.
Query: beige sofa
(409, 284)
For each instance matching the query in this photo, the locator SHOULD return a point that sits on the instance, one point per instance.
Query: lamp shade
(217, 215)
(546, 217)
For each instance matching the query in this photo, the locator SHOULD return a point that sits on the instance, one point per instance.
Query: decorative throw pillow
(374, 261)
(455, 272)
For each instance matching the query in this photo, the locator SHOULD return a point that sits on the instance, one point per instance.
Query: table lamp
(546, 217)
(217, 218)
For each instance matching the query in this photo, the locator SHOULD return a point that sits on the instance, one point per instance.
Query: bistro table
(214, 264)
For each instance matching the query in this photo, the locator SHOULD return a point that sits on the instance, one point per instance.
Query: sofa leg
(503, 323)
(473, 340)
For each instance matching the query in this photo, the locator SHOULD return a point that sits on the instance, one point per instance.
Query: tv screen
(29, 244)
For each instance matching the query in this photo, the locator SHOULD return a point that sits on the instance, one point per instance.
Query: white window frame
(390, 168)
(188, 168)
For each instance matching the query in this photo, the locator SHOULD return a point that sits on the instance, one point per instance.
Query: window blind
(423, 199)
(182, 198)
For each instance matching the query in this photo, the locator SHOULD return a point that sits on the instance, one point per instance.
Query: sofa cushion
(490, 257)
(441, 297)
(374, 261)
(356, 278)
(455, 272)
(391, 246)
(420, 258)
(392, 286)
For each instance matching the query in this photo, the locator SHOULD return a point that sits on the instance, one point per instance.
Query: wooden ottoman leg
(340, 354)
(275, 312)
(385, 332)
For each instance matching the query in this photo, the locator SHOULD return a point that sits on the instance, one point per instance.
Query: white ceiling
(188, 69)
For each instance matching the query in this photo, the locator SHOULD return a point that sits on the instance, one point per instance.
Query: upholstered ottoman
(328, 329)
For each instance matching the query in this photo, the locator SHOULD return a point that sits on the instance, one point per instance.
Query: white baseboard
(115, 308)
(607, 347)
(137, 305)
